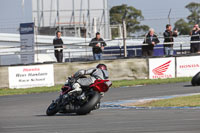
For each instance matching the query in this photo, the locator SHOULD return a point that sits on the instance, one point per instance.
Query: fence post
(124, 38)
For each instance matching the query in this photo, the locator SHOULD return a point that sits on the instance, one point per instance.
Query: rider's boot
(76, 89)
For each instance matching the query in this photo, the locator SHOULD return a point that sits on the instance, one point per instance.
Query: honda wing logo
(161, 69)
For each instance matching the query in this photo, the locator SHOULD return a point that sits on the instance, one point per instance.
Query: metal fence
(78, 50)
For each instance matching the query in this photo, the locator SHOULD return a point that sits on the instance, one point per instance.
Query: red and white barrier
(173, 67)
(161, 68)
(31, 76)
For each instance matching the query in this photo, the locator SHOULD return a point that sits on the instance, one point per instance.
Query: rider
(100, 72)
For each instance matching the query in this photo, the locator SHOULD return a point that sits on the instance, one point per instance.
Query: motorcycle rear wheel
(52, 109)
(94, 99)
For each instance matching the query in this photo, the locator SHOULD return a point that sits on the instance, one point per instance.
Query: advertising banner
(187, 66)
(161, 68)
(27, 42)
(31, 76)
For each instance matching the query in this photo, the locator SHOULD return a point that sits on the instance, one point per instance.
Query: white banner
(187, 66)
(31, 76)
(161, 68)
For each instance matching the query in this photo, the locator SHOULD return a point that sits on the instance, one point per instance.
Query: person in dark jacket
(168, 40)
(58, 46)
(97, 45)
(195, 36)
(151, 40)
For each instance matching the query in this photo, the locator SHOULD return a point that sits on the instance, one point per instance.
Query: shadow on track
(69, 114)
(188, 86)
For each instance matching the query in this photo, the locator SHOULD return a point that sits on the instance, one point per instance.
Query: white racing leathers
(95, 73)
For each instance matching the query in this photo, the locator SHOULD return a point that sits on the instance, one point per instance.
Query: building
(79, 18)
(75, 18)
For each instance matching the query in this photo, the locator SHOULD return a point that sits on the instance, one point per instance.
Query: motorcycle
(82, 103)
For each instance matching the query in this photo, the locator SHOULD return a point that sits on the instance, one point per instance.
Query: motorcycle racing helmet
(102, 66)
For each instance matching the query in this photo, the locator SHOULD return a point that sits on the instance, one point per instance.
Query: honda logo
(161, 69)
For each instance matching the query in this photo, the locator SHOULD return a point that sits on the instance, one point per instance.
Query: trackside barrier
(49, 74)
(135, 68)
(173, 67)
(31, 76)
(162, 68)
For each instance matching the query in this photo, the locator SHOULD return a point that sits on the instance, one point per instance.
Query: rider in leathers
(100, 72)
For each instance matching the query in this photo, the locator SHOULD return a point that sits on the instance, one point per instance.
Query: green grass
(4, 92)
(115, 84)
(186, 101)
(149, 81)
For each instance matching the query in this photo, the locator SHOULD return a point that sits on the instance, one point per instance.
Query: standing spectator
(168, 39)
(195, 36)
(98, 45)
(58, 46)
(151, 40)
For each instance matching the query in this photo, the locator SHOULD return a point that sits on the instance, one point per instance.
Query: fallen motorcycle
(81, 104)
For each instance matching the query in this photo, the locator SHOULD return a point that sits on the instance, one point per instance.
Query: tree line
(134, 16)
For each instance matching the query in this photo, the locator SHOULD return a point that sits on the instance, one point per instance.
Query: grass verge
(186, 101)
(120, 83)
(4, 92)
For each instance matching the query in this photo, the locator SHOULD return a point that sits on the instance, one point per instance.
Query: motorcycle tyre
(53, 111)
(89, 106)
(196, 79)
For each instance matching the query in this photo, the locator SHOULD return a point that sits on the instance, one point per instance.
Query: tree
(182, 26)
(132, 18)
(194, 18)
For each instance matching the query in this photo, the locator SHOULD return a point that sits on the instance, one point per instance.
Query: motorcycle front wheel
(196, 79)
(52, 109)
(93, 99)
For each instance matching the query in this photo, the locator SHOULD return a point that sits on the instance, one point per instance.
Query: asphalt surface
(26, 114)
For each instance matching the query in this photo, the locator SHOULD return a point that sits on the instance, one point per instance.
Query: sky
(11, 15)
(155, 12)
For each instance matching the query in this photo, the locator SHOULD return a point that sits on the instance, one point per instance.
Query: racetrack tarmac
(26, 114)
